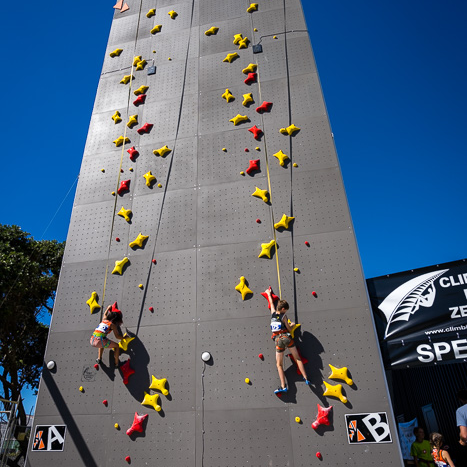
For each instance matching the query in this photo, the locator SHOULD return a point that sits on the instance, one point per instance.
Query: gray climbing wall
(204, 235)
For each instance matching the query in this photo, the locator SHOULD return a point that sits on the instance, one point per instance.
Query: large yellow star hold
(334, 391)
(123, 344)
(231, 57)
(340, 373)
(293, 328)
(243, 288)
(118, 269)
(266, 249)
(159, 384)
(149, 177)
(157, 28)
(290, 130)
(247, 99)
(138, 241)
(172, 14)
(284, 222)
(116, 117)
(253, 7)
(132, 121)
(211, 31)
(151, 13)
(140, 90)
(282, 157)
(237, 38)
(262, 194)
(137, 59)
(116, 53)
(126, 79)
(228, 96)
(125, 213)
(239, 119)
(120, 140)
(243, 44)
(152, 401)
(141, 64)
(251, 68)
(162, 152)
(92, 302)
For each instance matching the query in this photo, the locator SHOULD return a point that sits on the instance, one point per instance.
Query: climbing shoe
(307, 382)
(280, 390)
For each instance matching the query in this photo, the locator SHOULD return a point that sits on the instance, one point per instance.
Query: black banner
(421, 315)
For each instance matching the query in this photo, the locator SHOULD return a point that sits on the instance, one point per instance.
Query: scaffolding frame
(8, 424)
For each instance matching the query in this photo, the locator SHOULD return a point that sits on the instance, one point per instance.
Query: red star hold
(302, 358)
(274, 298)
(139, 100)
(115, 308)
(146, 128)
(133, 153)
(251, 78)
(253, 167)
(257, 132)
(127, 371)
(264, 107)
(124, 186)
(323, 417)
(137, 424)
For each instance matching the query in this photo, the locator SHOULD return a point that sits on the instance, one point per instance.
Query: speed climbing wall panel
(188, 123)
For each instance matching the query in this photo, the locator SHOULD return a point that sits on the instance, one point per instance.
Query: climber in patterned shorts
(280, 328)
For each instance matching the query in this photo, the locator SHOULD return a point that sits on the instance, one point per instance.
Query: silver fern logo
(407, 299)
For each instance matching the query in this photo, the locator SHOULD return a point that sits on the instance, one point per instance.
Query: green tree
(29, 271)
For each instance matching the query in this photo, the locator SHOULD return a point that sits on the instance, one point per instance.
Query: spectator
(461, 417)
(421, 449)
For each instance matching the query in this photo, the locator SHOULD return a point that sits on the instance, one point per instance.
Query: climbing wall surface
(164, 223)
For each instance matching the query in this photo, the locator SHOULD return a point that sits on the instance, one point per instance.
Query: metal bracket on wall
(257, 49)
(152, 70)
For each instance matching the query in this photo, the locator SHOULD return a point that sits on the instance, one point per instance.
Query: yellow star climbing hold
(159, 384)
(263, 194)
(251, 68)
(162, 151)
(211, 31)
(125, 213)
(253, 7)
(293, 328)
(228, 96)
(247, 99)
(137, 59)
(118, 269)
(133, 120)
(152, 401)
(116, 53)
(92, 302)
(140, 90)
(157, 28)
(334, 391)
(231, 57)
(243, 44)
(239, 119)
(266, 249)
(149, 178)
(138, 241)
(290, 130)
(340, 373)
(126, 79)
(282, 157)
(237, 38)
(284, 222)
(172, 14)
(116, 117)
(141, 64)
(151, 13)
(123, 344)
(120, 140)
(243, 288)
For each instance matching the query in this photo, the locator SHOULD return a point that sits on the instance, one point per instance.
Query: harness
(102, 330)
(277, 325)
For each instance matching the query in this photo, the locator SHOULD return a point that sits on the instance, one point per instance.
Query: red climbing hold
(139, 100)
(250, 79)
(137, 424)
(257, 132)
(105, 402)
(154, 261)
(307, 243)
(128, 459)
(302, 358)
(121, 170)
(151, 309)
(253, 167)
(314, 294)
(247, 150)
(96, 366)
(323, 417)
(146, 128)
(133, 153)
(117, 239)
(115, 308)
(124, 186)
(127, 371)
(318, 455)
(261, 356)
(258, 221)
(274, 298)
(264, 107)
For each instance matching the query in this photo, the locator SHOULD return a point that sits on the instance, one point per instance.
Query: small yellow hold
(141, 65)
(169, 59)
(247, 380)
(116, 53)
(237, 38)
(224, 149)
(211, 31)
(132, 121)
(255, 29)
(151, 13)
(157, 28)
(162, 152)
(120, 140)
(295, 164)
(131, 169)
(149, 177)
(117, 426)
(296, 269)
(140, 286)
(126, 79)
(247, 98)
(243, 44)
(334, 391)
(153, 51)
(116, 117)
(151, 401)
(102, 170)
(159, 185)
(263, 194)
(284, 222)
(125, 342)
(258, 148)
(231, 57)
(340, 373)
(274, 37)
(243, 288)
(172, 14)
(282, 157)
(125, 213)
(298, 419)
(253, 7)
(242, 173)
(239, 119)
(266, 249)
(290, 130)
(138, 241)
(92, 302)
(159, 384)
(137, 59)
(140, 90)
(250, 68)
(81, 388)
(118, 269)
(113, 193)
(228, 96)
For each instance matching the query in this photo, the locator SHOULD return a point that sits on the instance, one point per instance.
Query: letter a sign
(364, 428)
(49, 438)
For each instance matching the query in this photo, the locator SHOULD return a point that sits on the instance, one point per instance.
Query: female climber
(280, 328)
(112, 321)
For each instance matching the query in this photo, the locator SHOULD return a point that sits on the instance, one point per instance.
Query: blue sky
(394, 79)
